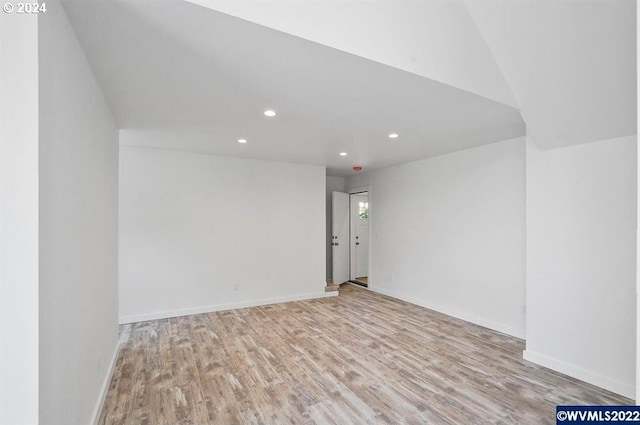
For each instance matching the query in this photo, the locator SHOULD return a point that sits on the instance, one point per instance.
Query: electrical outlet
(235, 286)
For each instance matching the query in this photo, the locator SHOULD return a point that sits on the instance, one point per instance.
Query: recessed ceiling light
(243, 141)
(270, 113)
(343, 154)
(393, 135)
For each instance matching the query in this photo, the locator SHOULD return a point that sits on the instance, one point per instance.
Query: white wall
(448, 233)
(78, 228)
(334, 184)
(637, 228)
(18, 219)
(192, 226)
(581, 257)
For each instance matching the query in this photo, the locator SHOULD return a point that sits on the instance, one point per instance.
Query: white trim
(221, 307)
(359, 190)
(581, 374)
(505, 329)
(105, 386)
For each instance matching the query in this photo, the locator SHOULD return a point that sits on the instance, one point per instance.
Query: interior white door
(359, 235)
(340, 236)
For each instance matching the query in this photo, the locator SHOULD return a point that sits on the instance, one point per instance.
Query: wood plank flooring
(360, 358)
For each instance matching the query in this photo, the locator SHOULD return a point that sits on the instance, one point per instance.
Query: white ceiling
(180, 76)
(569, 65)
(445, 74)
(436, 39)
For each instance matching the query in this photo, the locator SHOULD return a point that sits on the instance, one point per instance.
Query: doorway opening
(350, 241)
(359, 238)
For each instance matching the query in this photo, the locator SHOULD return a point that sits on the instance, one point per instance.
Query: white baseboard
(505, 329)
(581, 374)
(221, 307)
(105, 386)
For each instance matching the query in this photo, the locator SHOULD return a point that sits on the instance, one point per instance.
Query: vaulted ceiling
(570, 64)
(343, 75)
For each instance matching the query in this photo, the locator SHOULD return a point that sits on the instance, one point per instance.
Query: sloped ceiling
(180, 76)
(342, 74)
(432, 38)
(569, 65)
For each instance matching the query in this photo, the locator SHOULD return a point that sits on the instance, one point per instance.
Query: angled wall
(58, 259)
(78, 228)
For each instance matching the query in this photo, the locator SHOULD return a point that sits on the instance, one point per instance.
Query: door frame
(353, 191)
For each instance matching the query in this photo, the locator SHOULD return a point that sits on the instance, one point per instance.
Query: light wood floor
(360, 358)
